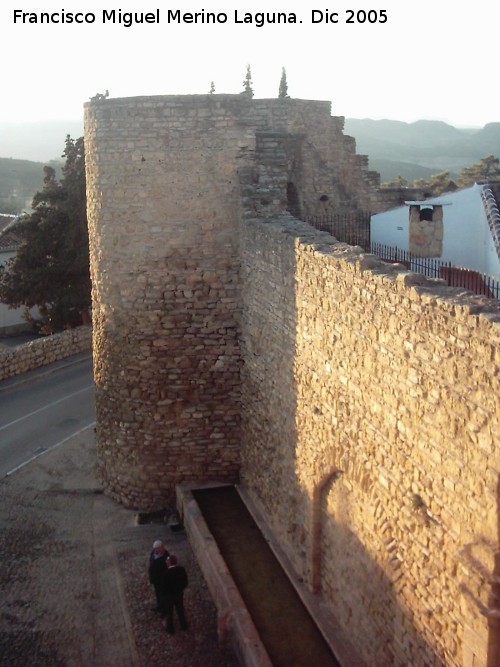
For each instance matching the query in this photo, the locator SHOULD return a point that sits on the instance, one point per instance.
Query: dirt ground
(73, 584)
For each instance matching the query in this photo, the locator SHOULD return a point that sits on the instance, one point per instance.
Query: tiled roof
(5, 220)
(8, 238)
(8, 242)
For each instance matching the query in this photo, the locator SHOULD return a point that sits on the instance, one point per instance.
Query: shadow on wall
(494, 621)
(364, 597)
(306, 463)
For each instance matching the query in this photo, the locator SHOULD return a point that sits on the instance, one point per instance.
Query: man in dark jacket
(173, 582)
(156, 566)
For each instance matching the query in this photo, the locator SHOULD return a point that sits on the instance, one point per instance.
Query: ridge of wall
(46, 350)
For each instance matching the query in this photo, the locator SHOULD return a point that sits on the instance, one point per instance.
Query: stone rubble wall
(37, 353)
(426, 236)
(163, 194)
(357, 402)
(370, 439)
(164, 187)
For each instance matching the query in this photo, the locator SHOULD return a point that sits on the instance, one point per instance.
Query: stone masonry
(163, 205)
(46, 350)
(356, 402)
(426, 232)
(370, 439)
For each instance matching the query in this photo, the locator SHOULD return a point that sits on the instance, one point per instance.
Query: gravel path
(73, 584)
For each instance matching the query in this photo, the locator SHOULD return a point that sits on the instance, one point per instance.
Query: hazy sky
(430, 59)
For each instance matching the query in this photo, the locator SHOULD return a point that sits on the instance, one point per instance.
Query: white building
(11, 319)
(461, 227)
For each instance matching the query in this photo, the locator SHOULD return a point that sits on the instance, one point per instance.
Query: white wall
(467, 240)
(9, 317)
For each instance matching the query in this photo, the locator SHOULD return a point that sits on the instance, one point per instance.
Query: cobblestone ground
(73, 585)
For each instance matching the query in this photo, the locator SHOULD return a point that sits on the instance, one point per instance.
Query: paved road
(43, 409)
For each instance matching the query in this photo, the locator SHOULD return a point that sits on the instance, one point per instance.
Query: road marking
(46, 407)
(49, 449)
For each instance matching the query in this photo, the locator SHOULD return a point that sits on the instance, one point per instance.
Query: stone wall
(426, 231)
(164, 179)
(26, 357)
(370, 440)
(163, 195)
(358, 403)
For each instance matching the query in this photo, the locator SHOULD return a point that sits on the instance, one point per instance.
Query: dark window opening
(292, 197)
(426, 213)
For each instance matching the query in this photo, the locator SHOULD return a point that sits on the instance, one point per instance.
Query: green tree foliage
(487, 169)
(247, 83)
(437, 183)
(51, 267)
(283, 90)
(398, 182)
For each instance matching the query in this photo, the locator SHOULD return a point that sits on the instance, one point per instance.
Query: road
(43, 409)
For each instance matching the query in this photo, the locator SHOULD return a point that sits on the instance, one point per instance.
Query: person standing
(156, 566)
(174, 580)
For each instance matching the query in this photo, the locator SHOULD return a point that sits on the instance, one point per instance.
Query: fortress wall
(371, 441)
(163, 199)
(358, 403)
(163, 204)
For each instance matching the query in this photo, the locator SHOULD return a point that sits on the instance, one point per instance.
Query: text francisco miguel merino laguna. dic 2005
(177, 16)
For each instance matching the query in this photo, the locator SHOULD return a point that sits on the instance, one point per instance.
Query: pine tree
(437, 183)
(212, 88)
(487, 169)
(283, 90)
(51, 267)
(247, 83)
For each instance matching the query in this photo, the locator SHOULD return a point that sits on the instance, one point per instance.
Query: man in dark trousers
(173, 582)
(156, 566)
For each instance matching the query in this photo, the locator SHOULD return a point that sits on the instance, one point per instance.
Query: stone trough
(235, 624)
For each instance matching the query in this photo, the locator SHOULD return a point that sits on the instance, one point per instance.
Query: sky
(425, 60)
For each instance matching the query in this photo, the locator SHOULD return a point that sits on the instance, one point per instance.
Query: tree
(487, 169)
(283, 90)
(212, 88)
(398, 182)
(247, 83)
(51, 267)
(437, 183)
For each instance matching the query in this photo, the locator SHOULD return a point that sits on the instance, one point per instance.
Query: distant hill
(19, 180)
(412, 150)
(39, 142)
(391, 169)
(25, 148)
(428, 144)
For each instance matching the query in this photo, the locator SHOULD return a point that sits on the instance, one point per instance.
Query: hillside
(433, 145)
(25, 148)
(19, 180)
(411, 150)
(39, 142)
(391, 169)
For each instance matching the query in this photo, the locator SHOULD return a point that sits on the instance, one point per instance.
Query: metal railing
(352, 228)
(455, 276)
